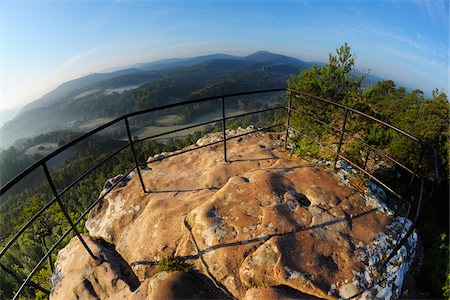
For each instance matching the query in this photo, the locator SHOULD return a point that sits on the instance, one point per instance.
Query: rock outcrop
(263, 225)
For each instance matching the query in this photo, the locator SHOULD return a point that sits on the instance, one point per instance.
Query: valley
(171, 122)
(83, 103)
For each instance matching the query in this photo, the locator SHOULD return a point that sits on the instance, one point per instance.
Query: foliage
(426, 118)
(18, 206)
(172, 263)
(306, 147)
(155, 89)
(436, 266)
(335, 81)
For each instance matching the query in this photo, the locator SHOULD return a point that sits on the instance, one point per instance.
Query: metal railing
(293, 95)
(421, 205)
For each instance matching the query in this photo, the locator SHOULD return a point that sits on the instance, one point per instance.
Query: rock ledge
(264, 226)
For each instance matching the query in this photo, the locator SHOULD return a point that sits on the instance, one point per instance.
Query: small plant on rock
(172, 263)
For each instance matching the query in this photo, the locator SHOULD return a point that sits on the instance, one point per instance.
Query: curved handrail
(84, 136)
(364, 115)
(296, 94)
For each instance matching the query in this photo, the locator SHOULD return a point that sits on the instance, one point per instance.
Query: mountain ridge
(170, 63)
(107, 95)
(83, 100)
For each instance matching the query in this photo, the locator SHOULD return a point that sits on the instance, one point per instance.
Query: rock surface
(264, 223)
(79, 276)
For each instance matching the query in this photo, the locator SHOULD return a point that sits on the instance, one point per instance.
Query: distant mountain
(183, 62)
(266, 57)
(81, 103)
(7, 114)
(76, 85)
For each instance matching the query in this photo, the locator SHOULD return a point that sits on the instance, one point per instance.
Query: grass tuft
(172, 263)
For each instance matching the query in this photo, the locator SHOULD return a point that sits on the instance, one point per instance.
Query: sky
(45, 43)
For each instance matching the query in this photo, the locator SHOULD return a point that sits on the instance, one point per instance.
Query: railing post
(66, 214)
(224, 130)
(19, 281)
(416, 168)
(133, 152)
(341, 138)
(288, 120)
(49, 257)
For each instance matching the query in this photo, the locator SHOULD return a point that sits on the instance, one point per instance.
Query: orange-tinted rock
(79, 276)
(261, 219)
(177, 285)
(275, 293)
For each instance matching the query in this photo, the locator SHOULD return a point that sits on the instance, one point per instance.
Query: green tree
(336, 81)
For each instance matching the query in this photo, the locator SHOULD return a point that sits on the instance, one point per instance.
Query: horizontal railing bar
(364, 171)
(24, 227)
(203, 146)
(67, 232)
(381, 153)
(359, 139)
(362, 114)
(40, 262)
(255, 112)
(45, 159)
(49, 156)
(314, 141)
(102, 196)
(340, 155)
(372, 177)
(309, 127)
(206, 123)
(358, 167)
(201, 100)
(179, 152)
(81, 177)
(54, 199)
(17, 279)
(176, 130)
(255, 131)
(315, 119)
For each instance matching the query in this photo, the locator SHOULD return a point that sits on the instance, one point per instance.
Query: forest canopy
(424, 117)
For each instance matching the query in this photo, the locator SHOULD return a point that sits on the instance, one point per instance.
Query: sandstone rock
(264, 223)
(79, 276)
(115, 210)
(218, 136)
(177, 285)
(275, 293)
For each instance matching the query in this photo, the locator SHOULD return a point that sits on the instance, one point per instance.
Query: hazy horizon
(46, 43)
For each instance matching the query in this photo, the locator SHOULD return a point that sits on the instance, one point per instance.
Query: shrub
(172, 263)
(436, 267)
(305, 147)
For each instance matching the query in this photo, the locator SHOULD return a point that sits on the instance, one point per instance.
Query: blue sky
(45, 43)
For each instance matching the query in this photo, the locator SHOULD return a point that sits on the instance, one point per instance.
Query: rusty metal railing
(293, 95)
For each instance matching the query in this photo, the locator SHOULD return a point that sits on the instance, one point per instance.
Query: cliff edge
(264, 225)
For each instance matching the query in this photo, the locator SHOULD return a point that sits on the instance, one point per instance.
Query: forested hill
(83, 101)
(426, 118)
